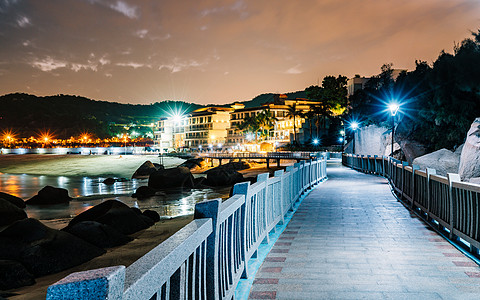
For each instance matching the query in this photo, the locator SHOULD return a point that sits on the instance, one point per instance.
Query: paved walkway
(351, 239)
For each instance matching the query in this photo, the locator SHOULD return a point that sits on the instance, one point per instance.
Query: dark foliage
(67, 116)
(439, 101)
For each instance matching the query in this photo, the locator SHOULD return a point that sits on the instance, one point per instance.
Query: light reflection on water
(88, 192)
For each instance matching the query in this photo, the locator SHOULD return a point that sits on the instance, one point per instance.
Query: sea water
(90, 191)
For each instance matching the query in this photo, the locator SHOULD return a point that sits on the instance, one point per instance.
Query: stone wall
(372, 140)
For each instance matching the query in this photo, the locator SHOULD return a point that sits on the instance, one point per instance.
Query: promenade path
(351, 239)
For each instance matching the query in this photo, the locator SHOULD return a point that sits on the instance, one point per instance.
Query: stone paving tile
(351, 239)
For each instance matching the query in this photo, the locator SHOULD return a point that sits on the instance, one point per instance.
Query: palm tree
(310, 115)
(292, 112)
(320, 110)
(250, 124)
(267, 121)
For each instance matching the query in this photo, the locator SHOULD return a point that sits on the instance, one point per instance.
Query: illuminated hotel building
(207, 127)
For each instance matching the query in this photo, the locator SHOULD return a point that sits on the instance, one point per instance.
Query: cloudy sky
(208, 51)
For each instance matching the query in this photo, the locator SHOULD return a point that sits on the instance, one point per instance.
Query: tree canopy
(439, 101)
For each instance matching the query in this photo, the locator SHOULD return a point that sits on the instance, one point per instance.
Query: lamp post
(354, 126)
(393, 111)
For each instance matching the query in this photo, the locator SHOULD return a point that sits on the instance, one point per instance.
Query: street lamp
(353, 126)
(393, 107)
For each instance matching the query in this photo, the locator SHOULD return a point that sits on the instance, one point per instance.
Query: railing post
(279, 173)
(266, 207)
(242, 189)
(105, 283)
(402, 178)
(211, 209)
(430, 172)
(412, 187)
(452, 178)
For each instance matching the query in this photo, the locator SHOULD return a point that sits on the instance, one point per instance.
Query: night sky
(215, 51)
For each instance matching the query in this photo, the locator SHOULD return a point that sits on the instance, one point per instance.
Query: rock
(50, 195)
(152, 215)
(194, 163)
(113, 213)
(179, 177)
(470, 158)
(14, 275)
(10, 213)
(43, 250)
(158, 166)
(223, 177)
(144, 170)
(144, 192)
(412, 149)
(109, 181)
(475, 180)
(371, 140)
(13, 199)
(443, 161)
(98, 234)
(199, 182)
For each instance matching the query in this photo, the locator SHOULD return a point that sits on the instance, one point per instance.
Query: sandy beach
(79, 165)
(100, 166)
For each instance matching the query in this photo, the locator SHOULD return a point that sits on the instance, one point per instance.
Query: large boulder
(98, 234)
(144, 192)
(470, 159)
(43, 250)
(14, 275)
(222, 177)
(13, 199)
(10, 213)
(443, 161)
(370, 140)
(152, 215)
(194, 163)
(145, 170)
(113, 213)
(50, 195)
(179, 177)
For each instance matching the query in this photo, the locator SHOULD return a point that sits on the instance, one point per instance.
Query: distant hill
(65, 115)
(264, 98)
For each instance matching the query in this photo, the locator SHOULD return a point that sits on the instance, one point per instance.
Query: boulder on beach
(14, 275)
(50, 195)
(145, 170)
(144, 192)
(98, 234)
(43, 250)
(10, 213)
(113, 213)
(194, 163)
(144, 218)
(222, 177)
(13, 199)
(109, 181)
(152, 215)
(470, 159)
(179, 177)
(443, 161)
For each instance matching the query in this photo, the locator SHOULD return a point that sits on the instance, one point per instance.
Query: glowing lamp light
(354, 125)
(316, 141)
(393, 107)
(199, 146)
(340, 139)
(342, 132)
(177, 118)
(219, 145)
(210, 146)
